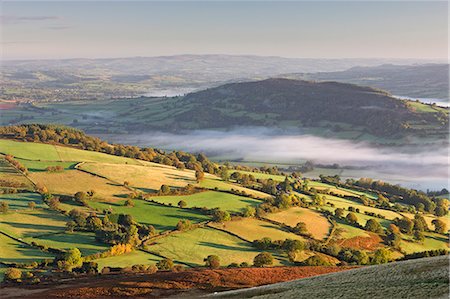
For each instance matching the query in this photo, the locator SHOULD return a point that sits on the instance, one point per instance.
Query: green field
(125, 260)
(48, 152)
(161, 217)
(432, 241)
(212, 182)
(193, 246)
(85, 242)
(264, 176)
(12, 251)
(37, 166)
(211, 200)
(19, 201)
(251, 229)
(27, 223)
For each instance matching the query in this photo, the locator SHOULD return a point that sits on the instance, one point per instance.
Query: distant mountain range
(416, 81)
(69, 79)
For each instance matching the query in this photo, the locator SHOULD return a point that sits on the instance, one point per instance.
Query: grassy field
(211, 200)
(422, 278)
(29, 150)
(193, 246)
(346, 231)
(147, 178)
(71, 181)
(429, 218)
(12, 251)
(432, 241)
(251, 229)
(9, 176)
(212, 182)
(161, 217)
(48, 152)
(27, 223)
(125, 260)
(19, 201)
(264, 176)
(317, 224)
(345, 203)
(37, 166)
(84, 241)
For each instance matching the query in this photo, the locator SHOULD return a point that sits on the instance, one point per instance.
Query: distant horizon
(429, 60)
(36, 30)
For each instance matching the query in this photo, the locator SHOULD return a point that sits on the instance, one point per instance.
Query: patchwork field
(20, 201)
(251, 229)
(37, 166)
(432, 241)
(264, 176)
(49, 152)
(211, 200)
(27, 223)
(147, 178)
(85, 242)
(10, 177)
(212, 182)
(125, 260)
(71, 181)
(12, 251)
(317, 225)
(161, 217)
(345, 203)
(193, 246)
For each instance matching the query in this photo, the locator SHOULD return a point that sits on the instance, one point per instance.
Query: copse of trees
(212, 261)
(263, 259)
(419, 199)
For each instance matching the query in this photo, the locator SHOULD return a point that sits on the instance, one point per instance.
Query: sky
(63, 29)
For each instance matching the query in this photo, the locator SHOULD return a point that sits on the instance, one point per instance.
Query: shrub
(212, 261)
(106, 270)
(263, 259)
(13, 274)
(316, 261)
(182, 204)
(373, 226)
(165, 264)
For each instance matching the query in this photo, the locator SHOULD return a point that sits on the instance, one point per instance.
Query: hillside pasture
(193, 246)
(264, 176)
(20, 201)
(212, 182)
(50, 152)
(432, 241)
(345, 204)
(27, 223)
(85, 242)
(37, 166)
(161, 217)
(29, 150)
(12, 251)
(251, 229)
(10, 177)
(211, 199)
(317, 225)
(71, 181)
(136, 257)
(147, 178)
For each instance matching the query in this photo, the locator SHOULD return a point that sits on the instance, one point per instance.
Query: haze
(48, 30)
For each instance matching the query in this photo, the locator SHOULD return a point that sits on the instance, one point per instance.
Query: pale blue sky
(292, 29)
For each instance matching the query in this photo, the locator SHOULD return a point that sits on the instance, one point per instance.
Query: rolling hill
(416, 81)
(422, 278)
(296, 103)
